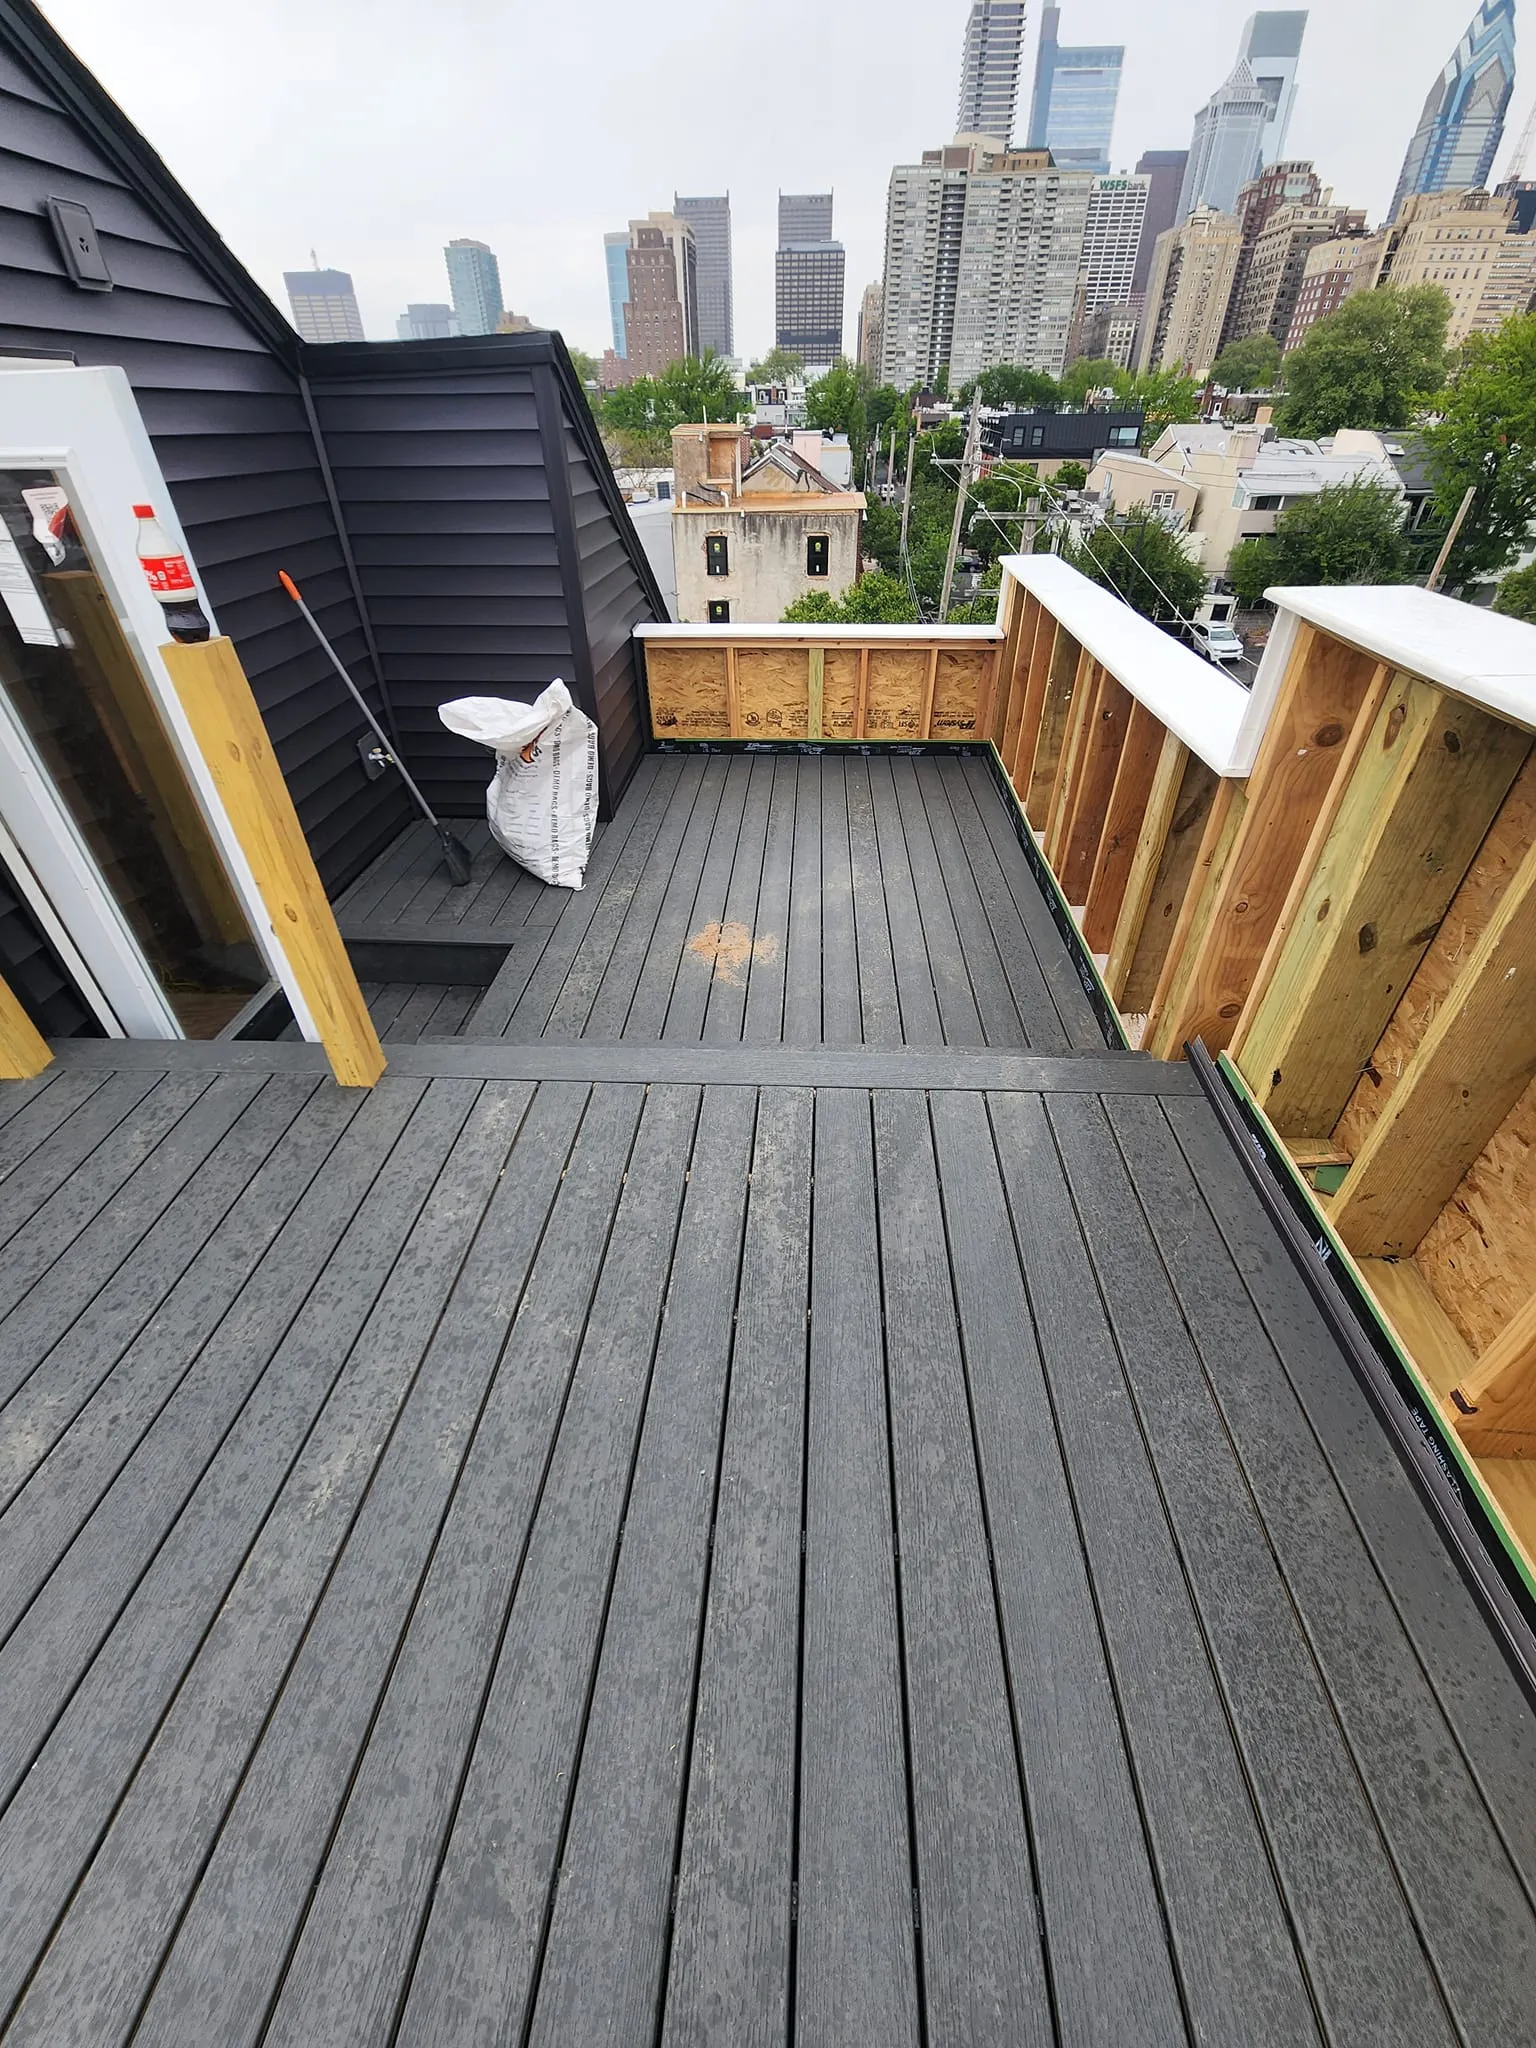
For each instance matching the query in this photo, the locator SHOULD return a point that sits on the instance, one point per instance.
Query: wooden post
(233, 741)
(1125, 823)
(23, 1049)
(1322, 697)
(732, 694)
(1035, 778)
(1472, 1064)
(816, 683)
(1421, 795)
(1085, 692)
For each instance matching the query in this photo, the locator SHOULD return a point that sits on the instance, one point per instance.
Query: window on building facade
(1123, 437)
(719, 611)
(816, 552)
(717, 554)
(1163, 501)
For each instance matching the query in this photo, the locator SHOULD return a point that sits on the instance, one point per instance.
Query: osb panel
(773, 692)
(961, 678)
(1479, 1256)
(688, 693)
(840, 693)
(898, 683)
(1508, 838)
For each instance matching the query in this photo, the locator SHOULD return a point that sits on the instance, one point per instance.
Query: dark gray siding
(33, 971)
(227, 419)
(615, 601)
(444, 493)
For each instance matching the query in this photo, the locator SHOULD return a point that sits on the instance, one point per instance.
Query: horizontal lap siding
(33, 972)
(228, 426)
(441, 481)
(616, 601)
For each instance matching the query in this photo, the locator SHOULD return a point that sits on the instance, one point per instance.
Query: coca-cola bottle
(170, 578)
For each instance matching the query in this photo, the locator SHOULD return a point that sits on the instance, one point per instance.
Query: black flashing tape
(1416, 1433)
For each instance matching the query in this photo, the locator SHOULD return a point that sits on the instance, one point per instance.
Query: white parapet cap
(1202, 705)
(816, 634)
(1473, 653)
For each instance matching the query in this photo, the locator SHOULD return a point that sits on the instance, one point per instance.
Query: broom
(455, 852)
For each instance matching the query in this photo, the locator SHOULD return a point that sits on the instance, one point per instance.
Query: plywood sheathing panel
(840, 693)
(898, 686)
(689, 698)
(773, 693)
(958, 687)
(1479, 1255)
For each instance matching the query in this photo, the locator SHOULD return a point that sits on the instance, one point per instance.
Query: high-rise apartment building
(989, 69)
(616, 270)
(1462, 124)
(1226, 146)
(1334, 272)
(1117, 212)
(982, 255)
(324, 305)
(1271, 48)
(809, 279)
(710, 220)
(1072, 112)
(474, 283)
(1265, 301)
(1163, 170)
(1292, 181)
(870, 309)
(426, 323)
(1188, 294)
(661, 311)
(1470, 244)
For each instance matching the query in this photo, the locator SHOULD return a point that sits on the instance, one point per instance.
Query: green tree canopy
(585, 366)
(1349, 533)
(876, 600)
(1012, 385)
(837, 404)
(1251, 365)
(1486, 439)
(695, 389)
(1070, 476)
(1094, 373)
(1166, 398)
(1517, 594)
(994, 526)
(777, 367)
(1143, 563)
(1373, 363)
(883, 405)
(882, 535)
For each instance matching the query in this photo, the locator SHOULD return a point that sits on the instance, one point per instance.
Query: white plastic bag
(542, 803)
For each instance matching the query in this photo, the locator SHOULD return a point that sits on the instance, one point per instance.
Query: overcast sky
(373, 130)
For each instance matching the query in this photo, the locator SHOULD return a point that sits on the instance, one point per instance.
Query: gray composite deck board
(841, 1525)
(766, 898)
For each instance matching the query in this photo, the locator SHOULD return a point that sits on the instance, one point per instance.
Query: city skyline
(277, 180)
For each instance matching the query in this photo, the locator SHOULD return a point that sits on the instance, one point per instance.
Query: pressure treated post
(23, 1050)
(233, 741)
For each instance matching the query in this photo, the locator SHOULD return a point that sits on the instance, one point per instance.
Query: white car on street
(1217, 643)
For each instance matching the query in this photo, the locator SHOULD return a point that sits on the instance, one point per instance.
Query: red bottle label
(168, 574)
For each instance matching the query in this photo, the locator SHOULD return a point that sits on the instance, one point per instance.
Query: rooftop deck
(771, 1491)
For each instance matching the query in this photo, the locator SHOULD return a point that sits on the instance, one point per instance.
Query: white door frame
(86, 425)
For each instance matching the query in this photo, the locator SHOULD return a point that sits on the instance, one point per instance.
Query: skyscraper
(982, 252)
(1226, 146)
(808, 279)
(1163, 170)
(871, 308)
(1117, 209)
(324, 305)
(616, 265)
(1271, 48)
(710, 220)
(1191, 287)
(1462, 124)
(661, 310)
(474, 282)
(989, 70)
(426, 323)
(1072, 112)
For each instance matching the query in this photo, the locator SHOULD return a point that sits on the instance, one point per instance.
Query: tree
(1486, 438)
(1349, 533)
(836, 403)
(1142, 562)
(1070, 476)
(1251, 365)
(1094, 374)
(1252, 569)
(1517, 594)
(1163, 397)
(882, 406)
(882, 536)
(1012, 385)
(777, 367)
(1373, 363)
(877, 600)
(643, 414)
(585, 366)
(995, 525)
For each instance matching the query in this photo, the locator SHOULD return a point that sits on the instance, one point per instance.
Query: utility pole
(906, 496)
(890, 467)
(1031, 515)
(1450, 539)
(967, 469)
